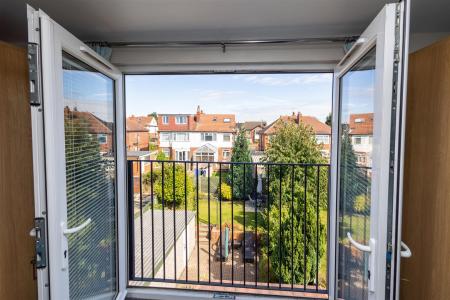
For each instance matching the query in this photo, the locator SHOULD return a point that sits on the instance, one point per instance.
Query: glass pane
(90, 178)
(355, 162)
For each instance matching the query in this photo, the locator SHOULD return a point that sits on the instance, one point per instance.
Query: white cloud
(297, 79)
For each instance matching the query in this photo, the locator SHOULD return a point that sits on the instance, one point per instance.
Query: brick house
(141, 132)
(361, 134)
(253, 132)
(321, 130)
(96, 127)
(198, 137)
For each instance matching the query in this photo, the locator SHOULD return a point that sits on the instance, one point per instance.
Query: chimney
(298, 117)
(199, 112)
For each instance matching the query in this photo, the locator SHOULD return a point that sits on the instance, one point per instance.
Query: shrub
(225, 191)
(170, 185)
(360, 205)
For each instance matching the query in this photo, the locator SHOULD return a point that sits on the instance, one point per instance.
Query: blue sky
(252, 97)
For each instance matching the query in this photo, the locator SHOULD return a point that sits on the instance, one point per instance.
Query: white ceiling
(188, 20)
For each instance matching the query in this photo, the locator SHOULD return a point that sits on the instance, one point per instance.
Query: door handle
(64, 245)
(369, 249)
(357, 245)
(406, 252)
(68, 231)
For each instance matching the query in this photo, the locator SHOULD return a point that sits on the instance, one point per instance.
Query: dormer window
(181, 119)
(165, 119)
(227, 120)
(359, 120)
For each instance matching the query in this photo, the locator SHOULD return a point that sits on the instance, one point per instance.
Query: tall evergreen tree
(241, 153)
(354, 180)
(328, 120)
(289, 215)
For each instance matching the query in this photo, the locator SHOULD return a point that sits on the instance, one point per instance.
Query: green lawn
(238, 213)
(356, 226)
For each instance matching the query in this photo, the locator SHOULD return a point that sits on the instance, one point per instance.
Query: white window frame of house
(357, 140)
(204, 136)
(102, 138)
(182, 155)
(166, 136)
(41, 194)
(49, 154)
(181, 136)
(181, 119)
(226, 153)
(227, 120)
(323, 139)
(165, 119)
(226, 137)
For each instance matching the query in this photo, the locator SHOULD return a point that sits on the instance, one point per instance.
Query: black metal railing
(233, 224)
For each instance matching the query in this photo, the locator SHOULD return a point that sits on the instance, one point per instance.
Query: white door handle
(64, 245)
(406, 252)
(68, 231)
(369, 249)
(357, 245)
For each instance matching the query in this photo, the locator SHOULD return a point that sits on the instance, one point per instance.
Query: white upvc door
(366, 182)
(79, 165)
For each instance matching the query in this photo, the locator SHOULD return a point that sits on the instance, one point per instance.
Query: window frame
(178, 117)
(205, 134)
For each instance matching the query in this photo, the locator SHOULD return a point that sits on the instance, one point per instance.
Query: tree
(328, 120)
(236, 178)
(166, 191)
(90, 194)
(354, 180)
(161, 156)
(289, 215)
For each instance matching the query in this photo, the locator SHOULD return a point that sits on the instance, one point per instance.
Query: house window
(359, 120)
(322, 139)
(209, 137)
(165, 119)
(204, 156)
(256, 136)
(181, 137)
(226, 154)
(102, 139)
(226, 137)
(166, 152)
(181, 119)
(227, 120)
(166, 136)
(205, 153)
(182, 155)
(357, 140)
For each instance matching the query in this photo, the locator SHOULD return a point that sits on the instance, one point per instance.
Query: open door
(79, 165)
(366, 180)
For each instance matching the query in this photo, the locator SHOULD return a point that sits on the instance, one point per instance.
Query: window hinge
(34, 71)
(40, 244)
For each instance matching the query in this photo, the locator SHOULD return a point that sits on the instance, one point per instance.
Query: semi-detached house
(197, 137)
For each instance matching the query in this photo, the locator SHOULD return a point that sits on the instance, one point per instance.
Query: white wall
(421, 40)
